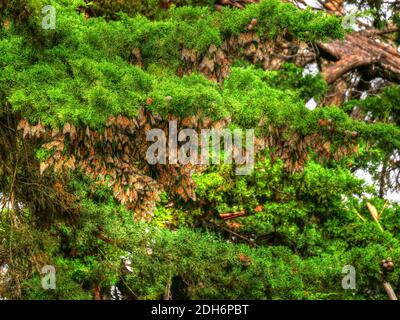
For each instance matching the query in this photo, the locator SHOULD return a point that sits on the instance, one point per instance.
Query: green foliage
(149, 8)
(383, 107)
(304, 235)
(293, 207)
(80, 72)
(290, 77)
(298, 230)
(18, 10)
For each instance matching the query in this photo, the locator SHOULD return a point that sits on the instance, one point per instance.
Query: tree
(76, 103)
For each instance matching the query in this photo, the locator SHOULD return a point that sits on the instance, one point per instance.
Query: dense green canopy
(299, 228)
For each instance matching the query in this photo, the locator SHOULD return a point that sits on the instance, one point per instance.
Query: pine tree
(77, 191)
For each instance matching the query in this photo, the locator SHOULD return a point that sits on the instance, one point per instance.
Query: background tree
(76, 102)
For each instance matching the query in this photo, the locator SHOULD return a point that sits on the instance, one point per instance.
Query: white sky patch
(364, 95)
(376, 83)
(7, 204)
(4, 269)
(367, 177)
(350, 8)
(313, 4)
(310, 69)
(311, 104)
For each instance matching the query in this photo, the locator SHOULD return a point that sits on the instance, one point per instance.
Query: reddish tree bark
(359, 50)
